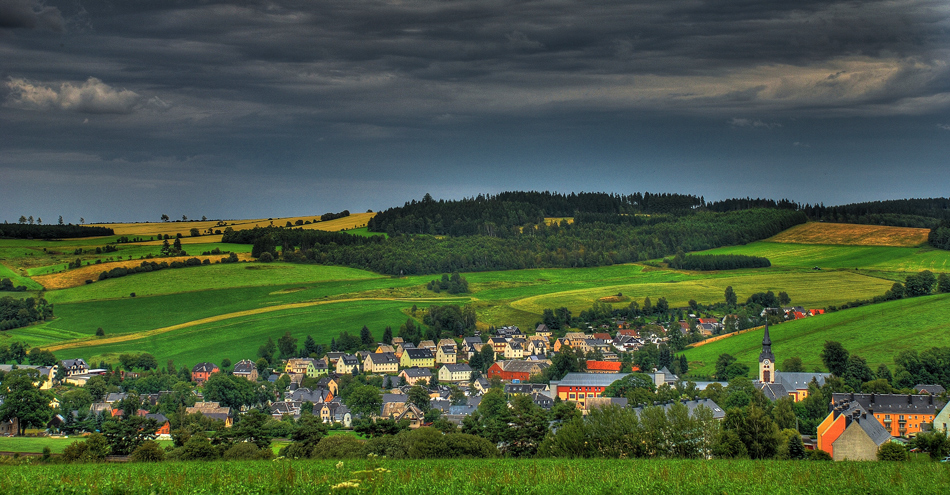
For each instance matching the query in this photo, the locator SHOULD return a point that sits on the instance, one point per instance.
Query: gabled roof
(383, 358)
(854, 413)
(419, 354)
(892, 403)
(448, 349)
(458, 368)
(417, 372)
(472, 340)
(204, 368)
(244, 366)
(929, 388)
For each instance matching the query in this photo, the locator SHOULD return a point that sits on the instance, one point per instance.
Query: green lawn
(876, 333)
(473, 476)
(18, 280)
(239, 338)
(36, 444)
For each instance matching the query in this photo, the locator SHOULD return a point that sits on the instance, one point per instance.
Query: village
(442, 384)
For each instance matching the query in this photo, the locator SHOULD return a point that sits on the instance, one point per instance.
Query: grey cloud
(30, 14)
(755, 123)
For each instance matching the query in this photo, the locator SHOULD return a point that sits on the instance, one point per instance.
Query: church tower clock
(766, 359)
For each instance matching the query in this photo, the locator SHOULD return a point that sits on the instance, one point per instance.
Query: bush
(247, 451)
(338, 447)
(149, 451)
(892, 451)
(266, 257)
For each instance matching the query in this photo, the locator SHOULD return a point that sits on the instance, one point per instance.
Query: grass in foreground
(548, 477)
(877, 333)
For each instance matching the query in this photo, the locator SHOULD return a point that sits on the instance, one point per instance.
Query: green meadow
(878, 258)
(875, 332)
(239, 338)
(466, 476)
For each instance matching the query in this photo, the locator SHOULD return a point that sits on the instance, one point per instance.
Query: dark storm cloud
(396, 88)
(29, 14)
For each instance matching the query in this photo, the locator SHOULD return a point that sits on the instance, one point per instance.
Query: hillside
(852, 235)
(876, 333)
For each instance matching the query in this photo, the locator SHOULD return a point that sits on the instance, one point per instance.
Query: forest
(539, 245)
(30, 231)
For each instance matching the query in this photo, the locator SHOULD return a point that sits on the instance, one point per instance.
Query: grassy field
(36, 444)
(876, 333)
(239, 337)
(864, 258)
(852, 235)
(810, 289)
(460, 476)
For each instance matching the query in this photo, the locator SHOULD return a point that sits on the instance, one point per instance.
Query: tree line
(69, 231)
(16, 313)
(533, 246)
(708, 262)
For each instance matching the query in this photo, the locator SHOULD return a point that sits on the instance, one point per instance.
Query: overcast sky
(124, 110)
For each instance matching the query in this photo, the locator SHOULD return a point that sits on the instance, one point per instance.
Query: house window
(571, 396)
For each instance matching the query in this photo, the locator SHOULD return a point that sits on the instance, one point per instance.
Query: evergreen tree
(366, 337)
(388, 336)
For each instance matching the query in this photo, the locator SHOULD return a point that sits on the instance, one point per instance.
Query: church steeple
(766, 359)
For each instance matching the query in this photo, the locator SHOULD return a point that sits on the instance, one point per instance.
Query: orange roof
(602, 336)
(604, 366)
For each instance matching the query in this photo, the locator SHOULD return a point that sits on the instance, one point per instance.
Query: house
(543, 331)
(381, 362)
(385, 348)
(278, 410)
(334, 412)
(850, 433)
(541, 345)
(246, 369)
(212, 410)
(603, 336)
(444, 342)
(628, 332)
(901, 415)
(455, 373)
(475, 342)
(932, 389)
(525, 388)
(333, 357)
(47, 373)
(401, 348)
(543, 401)
(509, 331)
(348, 364)
(498, 344)
(303, 394)
(419, 358)
(663, 376)
(446, 354)
(202, 371)
(410, 376)
(514, 349)
(603, 366)
(481, 385)
(165, 428)
(942, 420)
(578, 387)
(330, 383)
(516, 370)
(427, 344)
(75, 366)
(301, 366)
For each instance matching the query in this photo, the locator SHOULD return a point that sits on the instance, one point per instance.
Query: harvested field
(852, 235)
(183, 228)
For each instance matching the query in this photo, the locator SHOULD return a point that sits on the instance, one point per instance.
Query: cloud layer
(92, 96)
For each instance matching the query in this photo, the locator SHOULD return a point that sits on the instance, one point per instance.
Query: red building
(202, 371)
(578, 387)
(516, 370)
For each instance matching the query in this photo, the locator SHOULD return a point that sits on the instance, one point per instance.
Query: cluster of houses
(856, 426)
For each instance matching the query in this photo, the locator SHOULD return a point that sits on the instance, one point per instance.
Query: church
(777, 384)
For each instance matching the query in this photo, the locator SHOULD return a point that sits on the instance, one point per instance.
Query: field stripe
(86, 342)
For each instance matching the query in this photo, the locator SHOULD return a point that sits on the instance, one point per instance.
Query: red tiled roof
(613, 366)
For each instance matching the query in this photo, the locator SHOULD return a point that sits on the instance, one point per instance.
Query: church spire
(766, 346)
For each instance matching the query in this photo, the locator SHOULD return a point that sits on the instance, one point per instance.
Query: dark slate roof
(524, 388)
(517, 366)
(383, 358)
(395, 398)
(415, 372)
(766, 346)
(773, 391)
(157, 417)
(458, 368)
(448, 349)
(472, 340)
(420, 354)
(244, 366)
(930, 388)
(892, 403)
(115, 397)
(205, 367)
(350, 360)
(799, 381)
(303, 394)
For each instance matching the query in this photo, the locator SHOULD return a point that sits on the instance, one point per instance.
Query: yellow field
(852, 235)
(171, 228)
(77, 277)
(554, 220)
